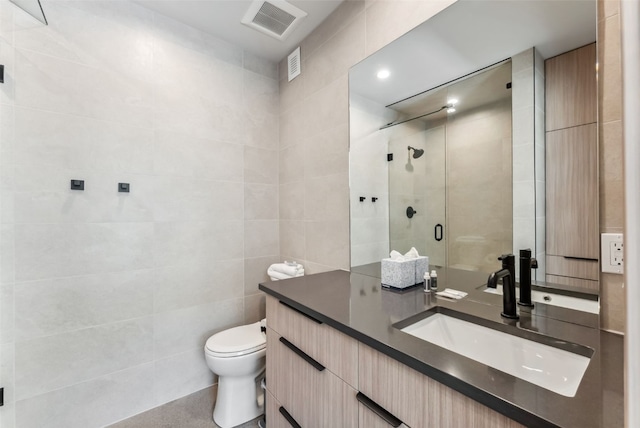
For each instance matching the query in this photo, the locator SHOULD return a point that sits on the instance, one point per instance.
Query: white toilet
(237, 356)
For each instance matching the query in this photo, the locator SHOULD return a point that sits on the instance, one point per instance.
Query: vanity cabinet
(572, 216)
(311, 371)
(319, 377)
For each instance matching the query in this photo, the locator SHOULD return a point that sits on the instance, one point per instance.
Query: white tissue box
(398, 274)
(422, 267)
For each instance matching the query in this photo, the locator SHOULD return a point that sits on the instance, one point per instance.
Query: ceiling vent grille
(276, 18)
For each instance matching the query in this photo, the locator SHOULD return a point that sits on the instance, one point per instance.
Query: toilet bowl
(237, 356)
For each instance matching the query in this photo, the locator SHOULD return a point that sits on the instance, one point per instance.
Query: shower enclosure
(448, 173)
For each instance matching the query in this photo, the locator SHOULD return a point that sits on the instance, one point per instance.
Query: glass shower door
(417, 196)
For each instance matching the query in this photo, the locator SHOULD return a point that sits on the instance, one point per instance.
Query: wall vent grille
(276, 18)
(293, 61)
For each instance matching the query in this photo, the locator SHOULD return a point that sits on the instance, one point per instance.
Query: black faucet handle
(505, 257)
(526, 253)
(507, 260)
(534, 263)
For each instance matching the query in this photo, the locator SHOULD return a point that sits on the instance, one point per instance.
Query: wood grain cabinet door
(312, 395)
(571, 89)
(572, 192)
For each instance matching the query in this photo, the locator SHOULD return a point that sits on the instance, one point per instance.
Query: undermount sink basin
(575, 303)
(550, 367)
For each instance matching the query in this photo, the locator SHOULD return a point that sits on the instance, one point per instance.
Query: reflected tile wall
(107, 298)
(611, 154)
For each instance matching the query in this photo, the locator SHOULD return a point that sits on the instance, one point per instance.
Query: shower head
(416, 152)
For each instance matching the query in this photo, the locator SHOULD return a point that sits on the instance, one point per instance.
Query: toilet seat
(236, 341)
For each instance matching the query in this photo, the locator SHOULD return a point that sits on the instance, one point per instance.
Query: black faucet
(507, 274)
(526, 264)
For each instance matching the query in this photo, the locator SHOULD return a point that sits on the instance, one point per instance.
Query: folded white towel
(452, 294)
(279, 275)
(287, 269)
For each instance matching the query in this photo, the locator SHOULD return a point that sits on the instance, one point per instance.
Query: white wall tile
(260, 166)
(189, 328)
(97, 402)
(261, 201)
(255, 272)
(192, 284)
(180, 375)
(261, 238)
(53, 362)
(80, 90)
(7, 312)
(53, 306)
(7, 372)
(47, 197)
(177, 243)
(103, 39)
(254, 308)
(292, 239)
(188, 199)
(260, 66)
(70, 141)
(111, 92)
(57, 250)
(178, 155)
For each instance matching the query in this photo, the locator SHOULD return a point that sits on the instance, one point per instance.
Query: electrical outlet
(612, 249)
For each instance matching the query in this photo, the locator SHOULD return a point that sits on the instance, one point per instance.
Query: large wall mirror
(447, 133)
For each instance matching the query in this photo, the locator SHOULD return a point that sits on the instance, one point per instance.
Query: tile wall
(108, 298)
(611, 154)
(368, 178)
(529, 156)
(479, 210)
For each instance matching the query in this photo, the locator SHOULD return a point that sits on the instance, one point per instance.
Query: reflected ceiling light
(452, 101)
(383, 74)
(451, 110)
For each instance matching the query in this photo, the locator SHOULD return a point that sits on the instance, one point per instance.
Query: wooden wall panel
(572, 193)
(571, 89)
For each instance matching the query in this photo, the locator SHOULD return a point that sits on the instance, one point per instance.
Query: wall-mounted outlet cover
(612, 253)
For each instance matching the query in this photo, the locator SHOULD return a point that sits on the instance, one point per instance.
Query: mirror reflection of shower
(416, 154)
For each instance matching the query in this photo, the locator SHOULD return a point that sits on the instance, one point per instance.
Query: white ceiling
(221, 18)
(470, 35)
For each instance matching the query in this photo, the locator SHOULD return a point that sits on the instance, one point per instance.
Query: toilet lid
(237, 341)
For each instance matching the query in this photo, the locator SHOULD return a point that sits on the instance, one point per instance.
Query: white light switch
(612, 250)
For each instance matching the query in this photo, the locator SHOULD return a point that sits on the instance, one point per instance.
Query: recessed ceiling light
(383, 74)
(451, 110)
(452, 101)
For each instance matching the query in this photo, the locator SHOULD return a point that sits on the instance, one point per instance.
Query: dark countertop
(357, 305)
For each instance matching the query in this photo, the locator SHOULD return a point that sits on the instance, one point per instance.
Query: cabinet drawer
(392, 385)
(313, 396)
(274, 417)
(574, 282)
(371, 415)
(331, 348)
(574, 268)
(420, 401)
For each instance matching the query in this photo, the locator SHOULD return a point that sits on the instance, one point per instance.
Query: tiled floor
(192, 411)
